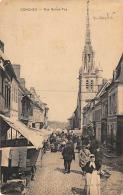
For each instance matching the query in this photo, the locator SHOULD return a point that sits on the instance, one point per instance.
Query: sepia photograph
(61, 97)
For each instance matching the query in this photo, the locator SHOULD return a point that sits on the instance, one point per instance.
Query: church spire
(87, 40)
(88, 53)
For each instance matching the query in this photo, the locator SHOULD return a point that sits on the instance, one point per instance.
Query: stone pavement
(51, 180)
(114, 184)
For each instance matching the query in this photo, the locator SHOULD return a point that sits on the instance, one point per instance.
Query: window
(14, 93)
(92, 84)
(33, 125)
(2, 86)
(9, 98)
(16, 96)
(114, 105)
(110, 104)
(6, 96)
(89, 57)
(87, 84)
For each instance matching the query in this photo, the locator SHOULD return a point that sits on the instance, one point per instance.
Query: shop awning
(44, 132)
(33, 136)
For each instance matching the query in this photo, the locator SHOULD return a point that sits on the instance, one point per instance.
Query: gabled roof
(118, 73)
(103, 89)
(7, 65)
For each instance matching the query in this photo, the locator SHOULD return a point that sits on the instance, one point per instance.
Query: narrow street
(51, 180)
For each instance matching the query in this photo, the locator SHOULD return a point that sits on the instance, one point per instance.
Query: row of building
(99, 102)
(16, 101)
(105, 111)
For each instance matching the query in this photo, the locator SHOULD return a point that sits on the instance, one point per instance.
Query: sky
(46, 37)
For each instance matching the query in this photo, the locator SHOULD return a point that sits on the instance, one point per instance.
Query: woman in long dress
(92, 177)
(84, 157)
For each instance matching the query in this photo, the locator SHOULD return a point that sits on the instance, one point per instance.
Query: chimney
(2, 46)
(16, 68)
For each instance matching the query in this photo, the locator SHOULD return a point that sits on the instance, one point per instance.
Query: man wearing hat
(68, 155)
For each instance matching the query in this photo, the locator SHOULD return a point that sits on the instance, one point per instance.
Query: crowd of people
(90, 157)
(90, 161)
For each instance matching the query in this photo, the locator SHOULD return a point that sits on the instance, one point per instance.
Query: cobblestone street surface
(51, 180)
(114, 184)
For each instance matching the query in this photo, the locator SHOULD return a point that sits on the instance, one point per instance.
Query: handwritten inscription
(107, 16)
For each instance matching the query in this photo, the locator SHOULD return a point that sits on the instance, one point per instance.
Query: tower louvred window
(88, 57)
(92, 84)
(87, 84)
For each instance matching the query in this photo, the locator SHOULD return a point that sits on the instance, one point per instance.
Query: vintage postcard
(61, 94)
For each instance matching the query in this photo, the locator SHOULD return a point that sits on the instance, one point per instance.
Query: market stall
(20, 147)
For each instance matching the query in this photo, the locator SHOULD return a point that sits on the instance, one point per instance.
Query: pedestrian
(93, 146)
(84, 157)
(62, 145)
(44, 146)
(33, 171)
(79, 144)
(92, 177)
(99, 155)
(68, 156)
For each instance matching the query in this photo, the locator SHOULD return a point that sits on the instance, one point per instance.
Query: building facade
(14, 112)
(115, 108)
(106, 111)
(15, 100)
(27, 110)
(90, 76)
(5, 88)
(104, 115)
(5, 84)
(39, 116)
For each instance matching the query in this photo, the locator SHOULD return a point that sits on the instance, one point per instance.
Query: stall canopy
(35, 137)
(45, 133)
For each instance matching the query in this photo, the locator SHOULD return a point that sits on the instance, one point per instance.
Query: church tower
(90, 77)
